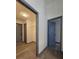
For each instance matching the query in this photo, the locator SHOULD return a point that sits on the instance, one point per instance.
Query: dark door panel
(18, 32)
(51, 34)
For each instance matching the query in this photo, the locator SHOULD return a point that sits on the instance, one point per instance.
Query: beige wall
(31, 29)
(20, 21)
(34, 29)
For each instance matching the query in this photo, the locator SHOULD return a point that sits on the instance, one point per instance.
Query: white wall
(54, 8)
(39, 6)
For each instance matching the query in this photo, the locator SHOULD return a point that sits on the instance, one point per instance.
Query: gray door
(18, 32)
(51, 34)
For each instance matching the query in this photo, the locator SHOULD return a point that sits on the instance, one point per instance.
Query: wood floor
(28, 51)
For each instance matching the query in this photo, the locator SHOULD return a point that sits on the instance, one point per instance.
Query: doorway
(55, 33)
(18, 32)
(27, 36)
(21, 33)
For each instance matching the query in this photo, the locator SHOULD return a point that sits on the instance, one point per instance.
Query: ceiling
(21, 9)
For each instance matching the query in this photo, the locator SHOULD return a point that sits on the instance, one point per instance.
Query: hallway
(28, 51)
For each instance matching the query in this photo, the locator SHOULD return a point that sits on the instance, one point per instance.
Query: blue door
(51, 34)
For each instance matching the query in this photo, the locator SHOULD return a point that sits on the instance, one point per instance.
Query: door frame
(25, 32)
(61, 32)
(24, 3)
